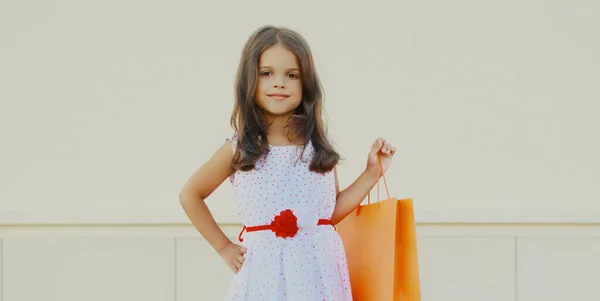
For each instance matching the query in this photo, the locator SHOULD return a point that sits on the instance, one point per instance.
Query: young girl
(282, 165)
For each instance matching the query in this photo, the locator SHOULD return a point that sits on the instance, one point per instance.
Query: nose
(278, 82)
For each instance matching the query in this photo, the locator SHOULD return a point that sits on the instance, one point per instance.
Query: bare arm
(199, 187)
(351, 197)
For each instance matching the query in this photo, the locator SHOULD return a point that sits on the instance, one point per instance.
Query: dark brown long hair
(308, 121)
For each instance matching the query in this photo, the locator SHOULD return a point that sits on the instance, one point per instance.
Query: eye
(265, 73)
(293, 75)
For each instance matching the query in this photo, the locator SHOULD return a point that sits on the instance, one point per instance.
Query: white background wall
(107, 107)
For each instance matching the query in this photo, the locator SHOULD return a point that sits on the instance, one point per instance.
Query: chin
(281, 113)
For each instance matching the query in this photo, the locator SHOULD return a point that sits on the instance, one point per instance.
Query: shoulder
(211, 174)
(329, 139)
(230, 147)
(232, 141)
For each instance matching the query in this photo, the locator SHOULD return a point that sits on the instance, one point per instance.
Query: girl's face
(279, 90)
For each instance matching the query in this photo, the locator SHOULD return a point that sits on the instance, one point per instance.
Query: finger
(393, 151)
(386, 148)
(377, 145)
(383, 149)
(242, 253)
(241, 259)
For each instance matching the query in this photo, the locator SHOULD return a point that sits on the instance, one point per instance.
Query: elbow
(186, 197)
(182, 197)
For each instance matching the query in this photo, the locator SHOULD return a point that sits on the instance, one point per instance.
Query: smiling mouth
(278, 96)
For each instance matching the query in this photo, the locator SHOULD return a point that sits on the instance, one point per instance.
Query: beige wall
(107, 108)
(493, 106)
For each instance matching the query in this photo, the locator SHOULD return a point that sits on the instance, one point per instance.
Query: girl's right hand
(233, 254)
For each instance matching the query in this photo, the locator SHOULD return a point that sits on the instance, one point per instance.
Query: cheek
(261, 89)
(297, 88)
(261, 86)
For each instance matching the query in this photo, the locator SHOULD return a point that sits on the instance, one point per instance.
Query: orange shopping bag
(381, 248)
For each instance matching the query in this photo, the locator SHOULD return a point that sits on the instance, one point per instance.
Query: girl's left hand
(381, 148)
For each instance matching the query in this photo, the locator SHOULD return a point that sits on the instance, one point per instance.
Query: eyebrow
(288, 69)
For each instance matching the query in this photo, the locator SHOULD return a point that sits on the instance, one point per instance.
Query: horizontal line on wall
(162, 216)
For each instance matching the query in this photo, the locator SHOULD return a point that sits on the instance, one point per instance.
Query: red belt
(284, 225)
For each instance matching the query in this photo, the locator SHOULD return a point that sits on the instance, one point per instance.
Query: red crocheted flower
(285, 224)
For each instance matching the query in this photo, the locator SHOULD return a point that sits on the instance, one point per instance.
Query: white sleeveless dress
(308, 266)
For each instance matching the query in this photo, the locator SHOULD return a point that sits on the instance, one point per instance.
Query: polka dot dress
(312, 264)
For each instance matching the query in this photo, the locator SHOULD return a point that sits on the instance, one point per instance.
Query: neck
(278, 130)
(278, 125)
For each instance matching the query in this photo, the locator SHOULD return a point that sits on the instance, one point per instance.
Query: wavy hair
(308, 121)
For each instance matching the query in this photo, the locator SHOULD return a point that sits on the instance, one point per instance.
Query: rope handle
(382, 174)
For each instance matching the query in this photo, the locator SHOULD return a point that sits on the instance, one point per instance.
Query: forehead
(278, 56)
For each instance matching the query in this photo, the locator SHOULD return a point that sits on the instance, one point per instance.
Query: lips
(278, 96)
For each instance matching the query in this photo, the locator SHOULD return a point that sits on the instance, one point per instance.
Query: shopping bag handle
(380, 169)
